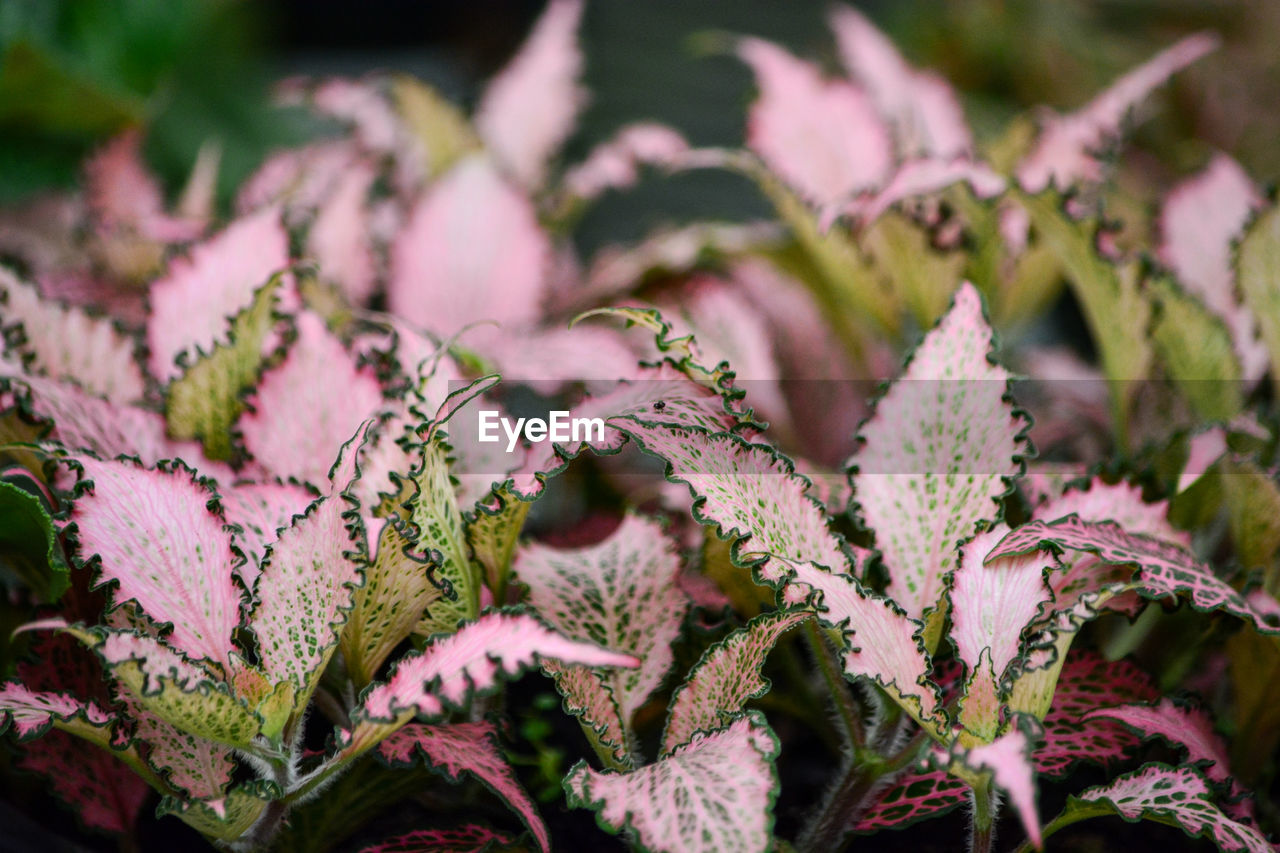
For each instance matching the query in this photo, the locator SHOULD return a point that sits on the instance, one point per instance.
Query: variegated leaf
(451, 668)
(308, 581)
(226, 818)
(492, 534)
(1089, 681)
(916, 797)
(1163, 569)
(191, 305)
(822, 137)
(1181, 726)
(714, 793)
(614, 164)
(259, 512)
(1197, 351)
(467, 839)
(339, 237)
(437, 520)
(152, 534)
(725, 679)
(620, 593)
(938, 454)
(32, 712)
(105, 794)
(470, 748)
(195, 766)
(1007, 762)
(204, 402)
(528, 110)
(67, 344)
(307, 406)
(1173, 795)
(395, 597)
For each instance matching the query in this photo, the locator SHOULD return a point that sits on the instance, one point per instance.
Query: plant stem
(837, 687)
(826, 831)
(982, 833)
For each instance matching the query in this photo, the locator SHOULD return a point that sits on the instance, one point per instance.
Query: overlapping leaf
(917, 797)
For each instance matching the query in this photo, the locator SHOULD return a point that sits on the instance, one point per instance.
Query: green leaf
(29, 542)
(226, 818)
(206, 400)
(1258, 271)
(438, 521)
(437, 123)
(1253, 510)
(922, 276)
(1196, 349)
(492, 536)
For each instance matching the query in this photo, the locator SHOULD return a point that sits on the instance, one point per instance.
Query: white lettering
(513, 435)
(488, 425)
(559, 426)
(587, 425)
(535, 429)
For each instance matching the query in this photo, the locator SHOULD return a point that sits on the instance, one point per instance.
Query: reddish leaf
(104, 793)
(916, 797)
(467, 839)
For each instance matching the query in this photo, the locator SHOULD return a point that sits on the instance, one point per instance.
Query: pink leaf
(714, 793)
(191, 305)
(920, 106)
(467, 748)
(261, 511)
(1177, 795)
(305, 590)
(727, 676)
(1121, 503)
(1065, 153)
(529, 109)
(104, 793)
(1086, 682)
(880, 640)
(1164, 569)
(822, 137)
(339, 236)
(917, 178)
(157, 539)
(445, 273)
(938, 454)
(71, 345)
(307, 406)
(1007, 759)
(1202, 219)
(1203, 449)
(991, 604)
(452, 667)
(615, 164)
(199, 767)
(467, 839)
(123, 195)
(32, 712)
(620, 594)
(914, 798)
(1185, 727)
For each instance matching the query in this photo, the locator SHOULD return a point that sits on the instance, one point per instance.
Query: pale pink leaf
(822, 137)
(1163, 569)
(1177, 795)
(339, 236)
(1066, 151)
(529, 109)
(615, 164)
(938, 454)
(466, 748)
(70, 345)
(916, 797)
(361, 104)
(1089, 681)
(1120, 502)
(450, 668)
(1007, 759)
(1180, 726)
(156, 538)
(917, 178)
(32, 712)
(1203, 449)
(260, 511)
(727, 676)
(445, 271)
(305, 408)
(305, 590)
(920, 106)
(124, 197)
(881, 642)
(199, 767)
(620, 593)
(192, 304)
(714, 793)
(467, 839)
(588, 695)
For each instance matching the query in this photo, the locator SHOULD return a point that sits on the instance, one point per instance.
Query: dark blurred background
(73, 72)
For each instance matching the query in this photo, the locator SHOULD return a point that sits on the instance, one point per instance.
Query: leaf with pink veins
(915, 797)
(1066, 151)
(938, 454)
(725, 679)
(191, 305)
(615, 164)
(621, 594)
(1173, 795)
(104, 793)
(453, 667)
(308, 581)
(68, 344)
(470, 748)
(154, 535)
(444, 272)
(466, 839)
(196, 766)
(339, 235)
(822, 137)
(528, 110)
(260, 511)
(306, 407)
(714, 793)
(32, 713)
(1202, 219)
(1180, 726)
(1164, 570)
(920, 106)
(1087, 681)
(1006, 761)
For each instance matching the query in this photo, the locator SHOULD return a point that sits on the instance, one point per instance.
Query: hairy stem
(826, 830)
(837, 687)
(982, 832)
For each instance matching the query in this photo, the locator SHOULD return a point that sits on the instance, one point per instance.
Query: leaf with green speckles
(437, 523)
